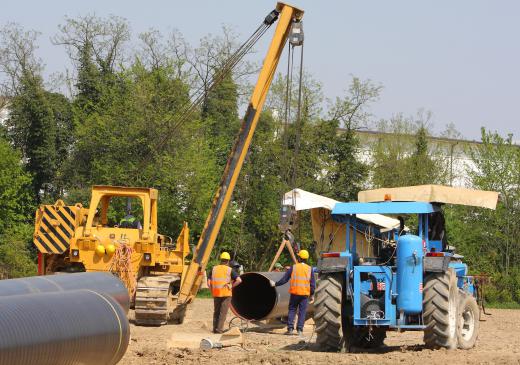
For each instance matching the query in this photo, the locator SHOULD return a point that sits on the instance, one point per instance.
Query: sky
(459, 59)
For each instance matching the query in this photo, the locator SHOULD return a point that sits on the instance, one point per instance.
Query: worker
(129, 221)
(237, 267)
(301, 287)
(278, 267)
(223, 278)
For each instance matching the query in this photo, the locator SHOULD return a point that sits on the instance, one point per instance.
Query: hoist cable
(298, 123)
(198, 96)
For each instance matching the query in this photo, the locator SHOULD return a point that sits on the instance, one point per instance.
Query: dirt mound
(499, 343)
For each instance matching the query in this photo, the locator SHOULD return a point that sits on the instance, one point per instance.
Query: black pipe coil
(62, 328)
(99, 282)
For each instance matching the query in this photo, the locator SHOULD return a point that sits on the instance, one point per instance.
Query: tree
(348, 174)
(498, 168)
(16, 203)
(32, 116)
(17, 57)
(403, 156)
(220, 113)
(17, 259)
(39, 123)
(423, 168)
(96, 47)
(16, 212)
(488, 238)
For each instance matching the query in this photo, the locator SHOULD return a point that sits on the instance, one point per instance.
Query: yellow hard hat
(111, 249)
(100, 250)
(304, 254)
(225, 256)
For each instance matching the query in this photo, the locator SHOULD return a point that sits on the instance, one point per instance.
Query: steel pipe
(100, 282)
(62, 328)
(255, 299)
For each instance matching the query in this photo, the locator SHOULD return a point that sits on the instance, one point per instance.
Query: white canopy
(304, 200)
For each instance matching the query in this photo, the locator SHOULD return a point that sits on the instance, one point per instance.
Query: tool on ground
(233, 337)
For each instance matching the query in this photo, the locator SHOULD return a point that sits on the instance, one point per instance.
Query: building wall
(4, 114)
(455, 153)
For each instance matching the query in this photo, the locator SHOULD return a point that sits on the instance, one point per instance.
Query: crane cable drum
(288, 213)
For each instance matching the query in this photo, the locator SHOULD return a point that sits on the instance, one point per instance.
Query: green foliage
(17, 257)
(16, 211)
(423, 168)
(16, 199)
(32, 127)
(220, 115)
(488, 238)
(403, 157)
(349, 174)
(204, 294)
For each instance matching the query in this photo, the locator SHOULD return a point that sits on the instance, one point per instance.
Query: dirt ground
(499, 343)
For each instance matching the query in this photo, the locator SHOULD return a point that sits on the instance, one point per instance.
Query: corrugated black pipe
(100, 282)
(62, 328)
(255, 299)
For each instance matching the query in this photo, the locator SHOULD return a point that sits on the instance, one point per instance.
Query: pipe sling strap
(300, 283)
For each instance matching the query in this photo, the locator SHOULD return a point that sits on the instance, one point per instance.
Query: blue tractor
(415, 282)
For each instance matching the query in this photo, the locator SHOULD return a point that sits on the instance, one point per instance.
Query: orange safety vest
(221, 281)
(300, 283)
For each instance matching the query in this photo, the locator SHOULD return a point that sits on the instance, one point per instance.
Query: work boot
(289, 331)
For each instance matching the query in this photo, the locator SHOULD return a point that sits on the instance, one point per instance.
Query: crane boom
(286, 16)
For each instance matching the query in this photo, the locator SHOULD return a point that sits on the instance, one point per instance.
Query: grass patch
(204, 294)
(502, 305)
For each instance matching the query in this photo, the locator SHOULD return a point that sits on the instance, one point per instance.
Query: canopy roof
(304, 200)
(383, 207)
(432, 194)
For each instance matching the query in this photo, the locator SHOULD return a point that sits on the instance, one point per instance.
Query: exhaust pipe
(255, 299)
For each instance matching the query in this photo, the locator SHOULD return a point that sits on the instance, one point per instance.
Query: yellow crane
(153, 266)
(287, 16)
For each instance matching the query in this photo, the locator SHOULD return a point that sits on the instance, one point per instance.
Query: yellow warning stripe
(44, 246)
(54, 236)
(68, 222)
(64, 223)
(55, 228)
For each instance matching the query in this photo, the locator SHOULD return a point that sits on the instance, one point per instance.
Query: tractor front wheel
(468, 323)
(440, 310)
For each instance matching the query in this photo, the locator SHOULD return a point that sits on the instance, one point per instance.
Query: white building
(4, 110)
(456, 152)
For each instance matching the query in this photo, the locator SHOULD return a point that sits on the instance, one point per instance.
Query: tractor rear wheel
(440, 308)
(468, 322)
(327, 312)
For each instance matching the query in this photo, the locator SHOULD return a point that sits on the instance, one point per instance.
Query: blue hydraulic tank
(409, 274)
